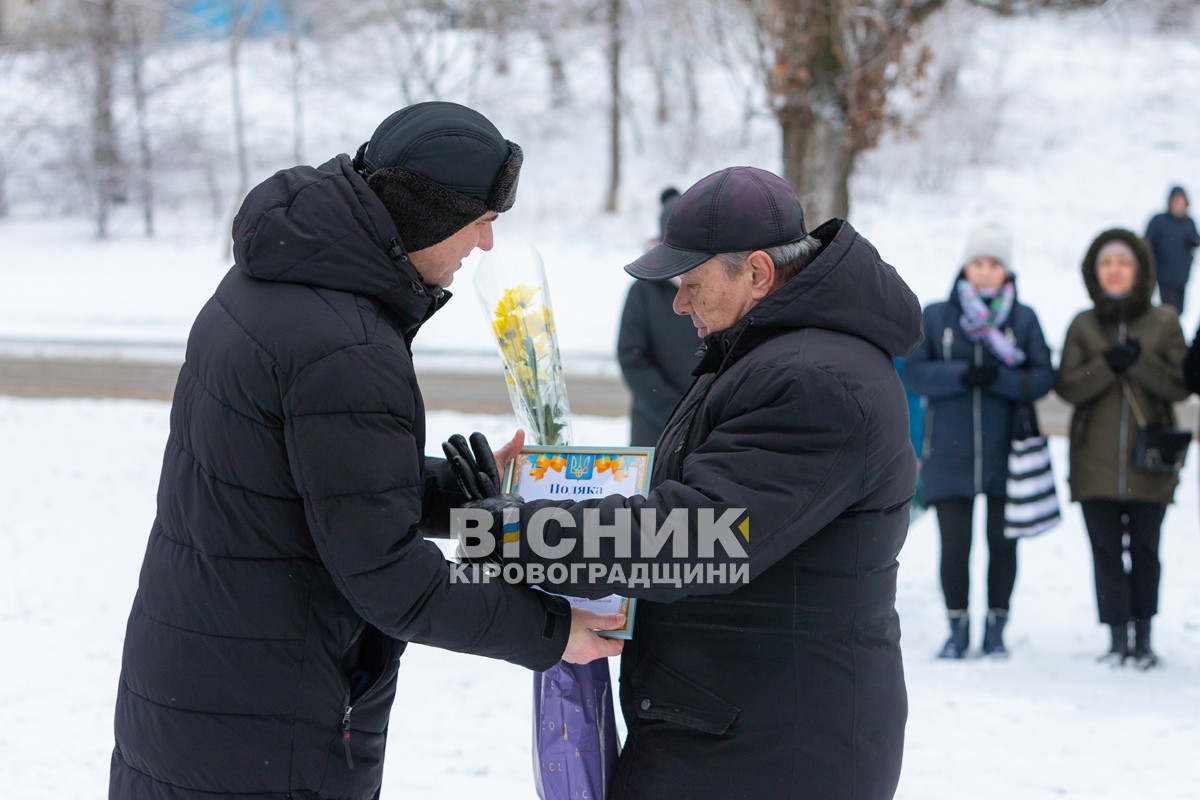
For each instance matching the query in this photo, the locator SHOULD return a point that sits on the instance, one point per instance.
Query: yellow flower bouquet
(511, 284)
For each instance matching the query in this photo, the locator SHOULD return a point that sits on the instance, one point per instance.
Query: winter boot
(993, 633)
(1118, 651)
(1144, 657)
(960, 628)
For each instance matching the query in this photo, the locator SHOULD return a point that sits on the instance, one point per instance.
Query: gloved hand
(494, 505)
(474, 466)
(980, 376)
(1120, 357)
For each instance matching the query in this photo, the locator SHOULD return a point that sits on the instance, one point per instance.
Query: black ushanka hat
(438, 167)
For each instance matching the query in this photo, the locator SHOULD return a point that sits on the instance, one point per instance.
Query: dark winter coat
(1103, 424)
(968, 431)
(791, 685)
(657, 350)
(286, 568)
(1172, 239)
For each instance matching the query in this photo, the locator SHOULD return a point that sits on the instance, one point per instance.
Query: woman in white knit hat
(983, 354)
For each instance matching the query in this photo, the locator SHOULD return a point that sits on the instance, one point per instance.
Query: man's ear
(762, 274)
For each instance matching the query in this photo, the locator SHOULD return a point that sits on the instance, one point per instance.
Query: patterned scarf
(984, 314)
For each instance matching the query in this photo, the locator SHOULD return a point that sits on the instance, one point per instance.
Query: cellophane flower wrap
(511, 284)
(574, 728)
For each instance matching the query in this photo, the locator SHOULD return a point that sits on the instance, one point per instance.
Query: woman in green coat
(1122, 360)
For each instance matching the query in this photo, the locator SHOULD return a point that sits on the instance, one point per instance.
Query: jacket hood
(324, 227)
(1138, 300)
(847, 288)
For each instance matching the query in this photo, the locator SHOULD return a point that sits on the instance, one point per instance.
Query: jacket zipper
(927, 444)
(1122, 444)
(976, 414)
(346, 736)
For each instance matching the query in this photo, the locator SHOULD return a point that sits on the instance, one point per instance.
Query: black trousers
(1171, 296)
(1116, 528)
(954, 520)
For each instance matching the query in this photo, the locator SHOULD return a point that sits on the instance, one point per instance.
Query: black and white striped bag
(1032, 503)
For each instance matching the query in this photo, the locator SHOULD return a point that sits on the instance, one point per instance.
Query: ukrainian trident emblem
(579, 467)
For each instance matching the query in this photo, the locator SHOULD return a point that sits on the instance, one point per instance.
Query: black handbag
(1157, 448)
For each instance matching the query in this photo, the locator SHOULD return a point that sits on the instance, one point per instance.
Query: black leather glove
(494, 505)
(980, 376)
(1120, 357)
(474, 465)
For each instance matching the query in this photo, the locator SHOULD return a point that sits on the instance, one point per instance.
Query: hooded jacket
(1172, 239)
(1103, 423)
(286, 568)
(968, 431)
(789, 685)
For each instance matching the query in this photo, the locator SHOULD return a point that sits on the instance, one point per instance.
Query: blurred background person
(1172, 236)
(1122, 350)
(656, 348)
(983, 353)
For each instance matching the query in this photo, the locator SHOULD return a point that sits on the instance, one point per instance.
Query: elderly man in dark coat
(287, 569)
(789, 684)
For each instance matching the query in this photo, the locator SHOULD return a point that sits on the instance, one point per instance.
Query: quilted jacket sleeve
(349, 426)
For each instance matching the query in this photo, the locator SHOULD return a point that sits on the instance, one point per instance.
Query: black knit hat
(438, 167)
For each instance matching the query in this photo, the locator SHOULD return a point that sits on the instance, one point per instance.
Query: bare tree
(422, 51)
(241, 18)
(296, 19)
(137, 62)
(829, 67)
(614, 116)
(546, 21)
(106, 158)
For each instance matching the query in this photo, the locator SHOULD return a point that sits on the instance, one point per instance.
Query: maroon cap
(731, 211)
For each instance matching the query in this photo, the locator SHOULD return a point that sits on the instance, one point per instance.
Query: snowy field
(77, 484)
(1062, 127)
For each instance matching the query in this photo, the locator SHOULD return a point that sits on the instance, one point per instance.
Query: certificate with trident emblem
(583, 473)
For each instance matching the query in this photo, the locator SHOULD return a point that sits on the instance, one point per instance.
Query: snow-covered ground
(77, 484)
(1063, 126)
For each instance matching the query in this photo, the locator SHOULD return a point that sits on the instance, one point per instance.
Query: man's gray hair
(790, 259)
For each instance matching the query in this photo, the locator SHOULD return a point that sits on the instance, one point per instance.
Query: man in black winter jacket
(1173, 237)
(287, 568)
(787, 684)
(656, 349)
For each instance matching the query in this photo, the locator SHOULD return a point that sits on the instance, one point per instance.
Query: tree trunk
(560, 91)
(105, 157)
(296, 17)
(137, 55)
(614, 72)
(240, 18)
(817, 162)
(811, 108)
(236, 36)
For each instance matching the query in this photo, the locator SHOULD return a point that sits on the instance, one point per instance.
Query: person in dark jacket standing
(656, 349)
(1173, 236)
(983, 353)
(286, 569)
(1122, 360)
(788, 684)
